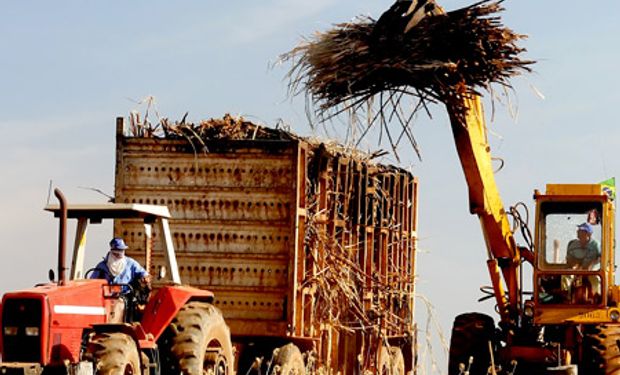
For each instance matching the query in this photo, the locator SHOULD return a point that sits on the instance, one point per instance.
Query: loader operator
(584, 252)
(118, 268)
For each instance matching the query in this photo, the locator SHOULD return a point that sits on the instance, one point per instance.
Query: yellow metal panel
(577, 315)
(615, 293)
(484, 199)
(574, 189)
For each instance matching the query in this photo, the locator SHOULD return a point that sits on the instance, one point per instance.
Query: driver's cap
(118, 244)
(584, 227)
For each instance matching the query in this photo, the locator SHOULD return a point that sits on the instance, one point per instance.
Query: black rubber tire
(113, 354)
(197, 342)
(288, 361)
(471, 334)
(397, 361)
(601, 355)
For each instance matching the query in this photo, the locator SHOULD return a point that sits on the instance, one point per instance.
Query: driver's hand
(146, 281)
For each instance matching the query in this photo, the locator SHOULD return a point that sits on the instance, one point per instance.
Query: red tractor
(77, 325)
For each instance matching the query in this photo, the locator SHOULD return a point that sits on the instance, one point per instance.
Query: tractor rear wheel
(113, 354)
(471, 334)
(288, 361)
(601, 355)
(197, 342)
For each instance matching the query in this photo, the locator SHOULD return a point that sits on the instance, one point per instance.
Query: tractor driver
(118, 268)
(584, 252)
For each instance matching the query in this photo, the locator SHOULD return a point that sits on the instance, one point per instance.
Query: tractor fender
(129, 329)
(164, 306)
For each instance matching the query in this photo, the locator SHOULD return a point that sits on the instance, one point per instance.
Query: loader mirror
(51, 275)
(161, 274)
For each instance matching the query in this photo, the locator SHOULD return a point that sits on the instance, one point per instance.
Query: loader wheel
(601, 354)
(397, 361)
(471, 334)
(197, 342)
(113, 354)
(288, 361)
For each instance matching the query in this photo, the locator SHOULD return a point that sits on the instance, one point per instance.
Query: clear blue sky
(68, 68)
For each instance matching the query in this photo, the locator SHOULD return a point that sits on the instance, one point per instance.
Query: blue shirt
(132, 271)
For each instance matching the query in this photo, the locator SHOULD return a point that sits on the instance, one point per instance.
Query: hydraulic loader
(571, 317)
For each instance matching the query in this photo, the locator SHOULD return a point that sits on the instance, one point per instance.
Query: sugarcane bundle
(439, 58)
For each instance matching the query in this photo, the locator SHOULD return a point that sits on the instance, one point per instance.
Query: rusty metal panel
(214, 238)
(234, 217)
(251, 306)
(295, 240)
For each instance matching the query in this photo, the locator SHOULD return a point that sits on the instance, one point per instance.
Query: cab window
(571, 236)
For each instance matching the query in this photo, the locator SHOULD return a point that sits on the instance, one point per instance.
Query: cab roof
(111, 211)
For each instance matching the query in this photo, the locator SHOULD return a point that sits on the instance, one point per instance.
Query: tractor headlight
(32, 331)
(10, 331)
(614, 315)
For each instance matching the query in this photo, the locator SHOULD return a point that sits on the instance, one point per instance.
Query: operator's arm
(593, 256)
(141, 281)
(100, 271)
(137, 271)
(571, 260)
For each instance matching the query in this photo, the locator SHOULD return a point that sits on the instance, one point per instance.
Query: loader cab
(574, 252)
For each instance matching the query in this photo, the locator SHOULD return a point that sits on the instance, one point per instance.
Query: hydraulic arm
(474, 152)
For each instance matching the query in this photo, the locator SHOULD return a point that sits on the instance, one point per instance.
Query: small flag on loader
(609, 187)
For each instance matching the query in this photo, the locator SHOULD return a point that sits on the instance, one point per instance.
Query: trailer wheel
(288, 361)
(397, 361)
(197, 342)
(113, 354)
(601, 354)
(471, 334)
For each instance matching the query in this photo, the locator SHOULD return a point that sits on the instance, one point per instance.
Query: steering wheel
(105, 273)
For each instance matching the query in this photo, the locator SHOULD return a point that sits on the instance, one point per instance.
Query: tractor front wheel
(197, 342)
(113, 354)
(469, 345)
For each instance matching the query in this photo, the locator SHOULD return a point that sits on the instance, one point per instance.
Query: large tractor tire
(601, 355)
(288, 361)
(197, 342)
(471, 334)
(113, 354)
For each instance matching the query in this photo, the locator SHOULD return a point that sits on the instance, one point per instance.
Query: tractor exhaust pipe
(62, 234)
